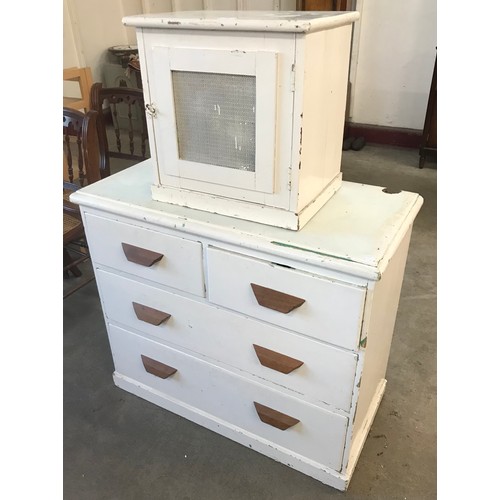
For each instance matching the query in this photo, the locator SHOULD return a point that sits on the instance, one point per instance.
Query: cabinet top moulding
(229, 20)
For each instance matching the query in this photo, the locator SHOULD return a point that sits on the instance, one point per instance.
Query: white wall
(397, 47)
(395, 42)
(98, 26)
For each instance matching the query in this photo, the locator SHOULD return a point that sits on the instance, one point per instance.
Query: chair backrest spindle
(126, 109)
(81, 144)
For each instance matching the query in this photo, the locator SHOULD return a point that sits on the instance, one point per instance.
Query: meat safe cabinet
(275, 337)
(245, 110)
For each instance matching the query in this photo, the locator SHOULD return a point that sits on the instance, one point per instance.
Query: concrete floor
(117, 446)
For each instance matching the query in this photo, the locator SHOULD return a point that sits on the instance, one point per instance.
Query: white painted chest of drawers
(276, 339)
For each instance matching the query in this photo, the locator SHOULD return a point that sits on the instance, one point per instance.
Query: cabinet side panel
(326, 63)
(378, 330)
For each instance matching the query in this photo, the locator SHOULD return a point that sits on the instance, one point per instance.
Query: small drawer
(168, 260)
(308, 369)
(318, 307)
(233, 401)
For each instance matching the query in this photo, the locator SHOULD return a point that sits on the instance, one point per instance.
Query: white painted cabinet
(276, 339)
(246, 109)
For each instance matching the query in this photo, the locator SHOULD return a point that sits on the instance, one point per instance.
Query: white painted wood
(348, 265)
(301, 77)
(325, 74)
(230, 398)
(242, 20)
(312, 468)
(376, 337)
(270, 187)
(259, 64)
(180, 267)
(344, 236)
(326, 378)
(270, 215)
(332, 310)
(359, 439)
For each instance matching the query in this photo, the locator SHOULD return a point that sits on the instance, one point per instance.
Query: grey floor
(117, 446)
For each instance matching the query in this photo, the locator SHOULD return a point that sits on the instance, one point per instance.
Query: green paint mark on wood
(287, 245)
(363, 342)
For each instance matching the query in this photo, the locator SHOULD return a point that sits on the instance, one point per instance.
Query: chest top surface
(359, 226)
(238, 20)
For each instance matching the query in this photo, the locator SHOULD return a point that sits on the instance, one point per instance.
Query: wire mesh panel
(215, 118)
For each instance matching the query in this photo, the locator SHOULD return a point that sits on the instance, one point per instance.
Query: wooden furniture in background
(428, 146)
(338, 5)
(134, 66)
(127, 138)
(84, 164)
(83, 76)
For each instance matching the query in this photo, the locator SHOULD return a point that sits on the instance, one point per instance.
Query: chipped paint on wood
(238, 20)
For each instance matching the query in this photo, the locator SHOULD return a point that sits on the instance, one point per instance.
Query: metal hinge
(292, 79)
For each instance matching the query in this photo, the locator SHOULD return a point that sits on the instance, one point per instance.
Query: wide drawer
(302, 429)
(168, 260)
(322, 308)
(311, 370)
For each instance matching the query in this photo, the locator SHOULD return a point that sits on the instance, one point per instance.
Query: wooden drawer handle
(156, 368)
(276, 360)
(272, 299)
(150, 315)
(275, 418)
(140, 255)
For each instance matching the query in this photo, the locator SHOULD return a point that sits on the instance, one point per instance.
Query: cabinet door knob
(275, 418)
(275, 360)
(150, 315)
(141, 256)
(156, 368)
(278, 301)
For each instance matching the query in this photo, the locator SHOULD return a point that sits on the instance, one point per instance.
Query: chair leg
(67, 260)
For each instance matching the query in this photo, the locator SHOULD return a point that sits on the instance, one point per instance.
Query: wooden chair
(126, 137)
(83, 76)
(84, 163)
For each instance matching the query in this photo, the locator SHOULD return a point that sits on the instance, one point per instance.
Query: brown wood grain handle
(156, 368)
(150, 315)
(278, 301)
(275, 418)
(141, 256)
(276, 361)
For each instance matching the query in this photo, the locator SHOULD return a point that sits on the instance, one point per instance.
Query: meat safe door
(219, 115)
